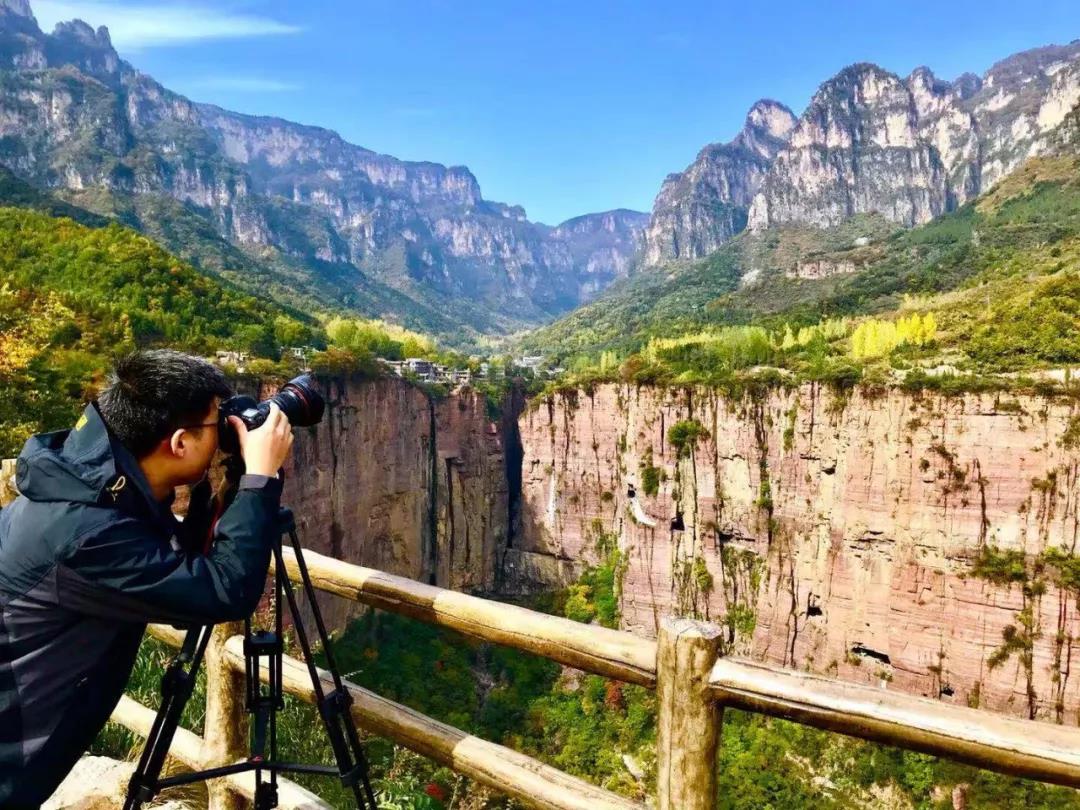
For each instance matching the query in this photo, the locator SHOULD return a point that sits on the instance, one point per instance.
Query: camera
(298, 399)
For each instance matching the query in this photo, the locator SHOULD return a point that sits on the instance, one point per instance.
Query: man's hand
(265, 448)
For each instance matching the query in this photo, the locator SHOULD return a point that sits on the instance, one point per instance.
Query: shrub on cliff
(684, 436)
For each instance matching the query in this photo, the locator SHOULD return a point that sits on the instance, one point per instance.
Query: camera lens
(300, 401)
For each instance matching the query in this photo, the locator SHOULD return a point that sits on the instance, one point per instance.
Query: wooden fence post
(225, 727)
(689, 718)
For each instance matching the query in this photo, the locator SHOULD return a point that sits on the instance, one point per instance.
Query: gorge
(859, 533)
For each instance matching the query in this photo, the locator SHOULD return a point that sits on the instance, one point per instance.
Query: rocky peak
(913, 149)
(699, 209)
(24, 46)
(91, 51)
(929, 93)
(19, 8)
(619, 220)
(923, 80)
(603, 245)
(21, 41)
(81, 32)
(1021, 67)
(863, 81)
(767, 127)
(966, 85)
(770, 117)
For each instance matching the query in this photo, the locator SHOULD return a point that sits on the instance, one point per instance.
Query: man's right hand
(264, 449)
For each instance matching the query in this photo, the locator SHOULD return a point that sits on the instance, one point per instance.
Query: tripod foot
(266, 796)
(140, 791)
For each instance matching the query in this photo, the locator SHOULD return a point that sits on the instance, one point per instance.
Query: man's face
(197, 446)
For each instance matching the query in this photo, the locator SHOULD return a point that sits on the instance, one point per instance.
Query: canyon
(834, 531)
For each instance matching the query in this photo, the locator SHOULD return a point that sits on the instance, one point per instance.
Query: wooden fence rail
(1043, 751)
(613, 653)
(694, 684)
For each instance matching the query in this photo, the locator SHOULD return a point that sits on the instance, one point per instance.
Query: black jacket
(87, 558)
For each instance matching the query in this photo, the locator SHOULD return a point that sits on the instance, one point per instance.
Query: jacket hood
(84, 465)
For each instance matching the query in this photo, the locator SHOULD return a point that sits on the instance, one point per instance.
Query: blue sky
(563, 107)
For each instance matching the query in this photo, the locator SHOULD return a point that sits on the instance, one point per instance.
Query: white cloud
(243, 84)
(147, 25)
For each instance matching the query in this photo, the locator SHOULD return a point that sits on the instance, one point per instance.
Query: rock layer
(826, 532)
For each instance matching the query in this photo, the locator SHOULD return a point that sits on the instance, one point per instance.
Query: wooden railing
(694, 683)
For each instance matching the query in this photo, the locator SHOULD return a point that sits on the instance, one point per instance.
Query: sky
(564, 107)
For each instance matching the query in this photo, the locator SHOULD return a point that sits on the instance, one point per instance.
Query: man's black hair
(151, 393)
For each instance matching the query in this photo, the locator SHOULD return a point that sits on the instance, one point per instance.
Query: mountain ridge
(871, 141)
(76, 117)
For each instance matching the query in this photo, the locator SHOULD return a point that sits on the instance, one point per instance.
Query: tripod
(178, 682)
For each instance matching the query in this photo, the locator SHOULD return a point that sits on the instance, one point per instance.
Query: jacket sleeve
(158, 583)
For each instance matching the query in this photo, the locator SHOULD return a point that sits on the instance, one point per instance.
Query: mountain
(911, 149)
(75, 293)
(869, 142)
(987, 263)
(602, 247)
(699, 209)
(914, 148)
(356, 228)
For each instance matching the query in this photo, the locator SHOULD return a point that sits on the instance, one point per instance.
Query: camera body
(298, 399)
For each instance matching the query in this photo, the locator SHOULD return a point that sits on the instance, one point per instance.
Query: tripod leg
(334, 708)
(177, 685)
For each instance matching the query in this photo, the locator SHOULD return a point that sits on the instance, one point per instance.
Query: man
(89, 554)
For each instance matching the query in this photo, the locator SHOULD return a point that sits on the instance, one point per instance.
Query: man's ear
(178, 443)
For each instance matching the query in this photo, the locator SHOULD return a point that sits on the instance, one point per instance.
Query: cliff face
(844, 536)
(869, 141)
(699, 209)
(395, 481)
(914, 148)
(602, 247)
(75, 117)
(921, 543)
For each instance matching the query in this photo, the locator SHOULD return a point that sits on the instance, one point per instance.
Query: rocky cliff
(917, 542)
(868, 142)
(394, 480)
(602, 246)
(699, 209)
(75, 117)
(911, 149)
(920, 543)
